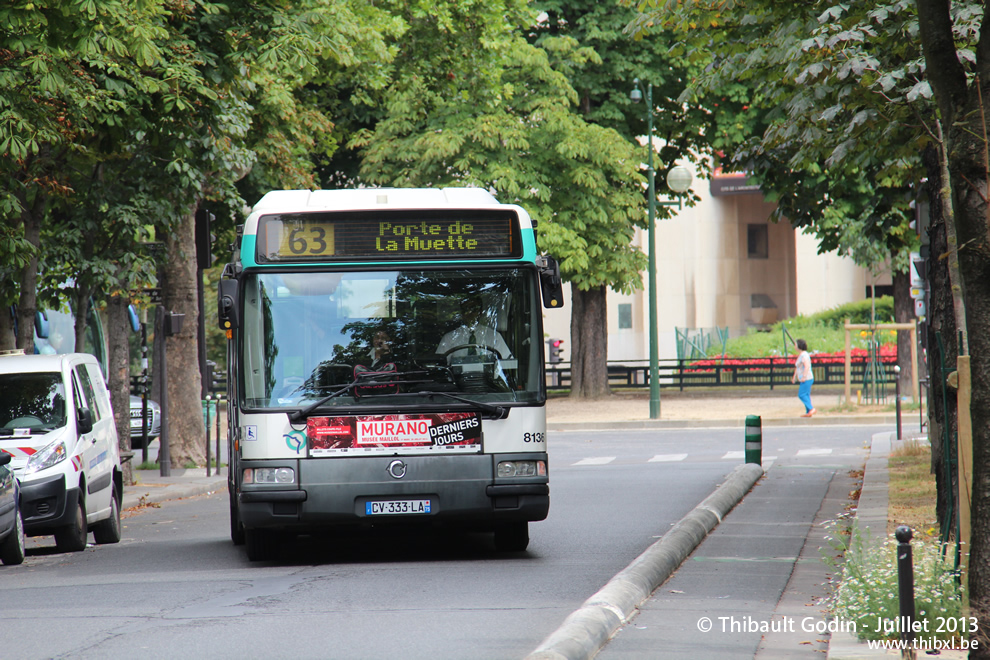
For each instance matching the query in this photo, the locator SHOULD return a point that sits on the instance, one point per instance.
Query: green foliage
(845, 97)
(470, 102)
(869, 588)
(879, 310)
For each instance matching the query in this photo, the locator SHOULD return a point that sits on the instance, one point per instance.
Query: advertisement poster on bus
(394, 434)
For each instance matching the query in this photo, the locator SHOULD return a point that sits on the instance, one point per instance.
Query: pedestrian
(804, 377)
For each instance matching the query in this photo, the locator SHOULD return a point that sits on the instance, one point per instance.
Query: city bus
(385, 365)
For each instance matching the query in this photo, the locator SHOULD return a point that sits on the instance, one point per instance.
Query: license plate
(397, 507)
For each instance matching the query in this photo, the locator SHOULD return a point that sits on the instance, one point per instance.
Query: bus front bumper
(456, 490)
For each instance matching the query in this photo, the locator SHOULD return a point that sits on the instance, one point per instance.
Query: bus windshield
(391, 337)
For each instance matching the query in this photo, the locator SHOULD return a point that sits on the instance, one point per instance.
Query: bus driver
(473, 332)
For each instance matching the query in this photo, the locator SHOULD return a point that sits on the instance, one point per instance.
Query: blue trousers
(804, 393)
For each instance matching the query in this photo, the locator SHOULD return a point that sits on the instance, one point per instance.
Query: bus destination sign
(388, 235)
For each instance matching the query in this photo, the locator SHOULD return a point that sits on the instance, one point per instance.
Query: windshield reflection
(390, 338)
(34, 401)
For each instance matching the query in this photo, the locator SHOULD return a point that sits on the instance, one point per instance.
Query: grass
(912, 490)
(869, 584)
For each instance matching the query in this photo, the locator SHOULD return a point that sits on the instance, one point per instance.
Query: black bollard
(206, 404)
(897, 398)
(905, 583)
(754, 440)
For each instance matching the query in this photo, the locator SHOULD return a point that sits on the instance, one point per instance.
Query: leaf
(920, 90)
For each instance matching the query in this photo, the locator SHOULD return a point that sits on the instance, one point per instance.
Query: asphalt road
(176, 586)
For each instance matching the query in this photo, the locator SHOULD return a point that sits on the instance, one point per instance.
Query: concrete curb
(587, 630)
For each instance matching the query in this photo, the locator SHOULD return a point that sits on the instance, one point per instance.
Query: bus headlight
(269, 475)
(51, 455)
(521, 469)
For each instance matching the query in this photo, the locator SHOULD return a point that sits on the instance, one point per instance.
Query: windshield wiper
(496, 412)
(362, 381)
(302, 413)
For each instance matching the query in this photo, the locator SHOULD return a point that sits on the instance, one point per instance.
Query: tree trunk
(940, 327)
(589, 344)
(27, 304)
(80, 298)
(119, 377)
(904, 313)
(7, 339)
(968, 169)
(187, 432)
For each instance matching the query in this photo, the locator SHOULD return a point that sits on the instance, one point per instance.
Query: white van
(57, 422)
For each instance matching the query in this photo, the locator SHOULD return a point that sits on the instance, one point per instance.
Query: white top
(802, 367)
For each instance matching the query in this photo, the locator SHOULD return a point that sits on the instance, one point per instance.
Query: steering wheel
(26, 421)
(479, 347)
(290, 386)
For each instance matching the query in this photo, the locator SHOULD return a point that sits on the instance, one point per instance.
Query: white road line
(814, 452)
(596, 460)
(734, 454)
(667, 458)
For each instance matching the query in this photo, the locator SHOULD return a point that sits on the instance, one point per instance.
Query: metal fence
(685, 374)
(750, 372)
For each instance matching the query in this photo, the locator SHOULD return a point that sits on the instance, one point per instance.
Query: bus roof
(357, 199)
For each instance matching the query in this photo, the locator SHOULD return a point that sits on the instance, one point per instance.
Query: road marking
(734, 454)
(814, 452)
(596, 460)
(667, 458)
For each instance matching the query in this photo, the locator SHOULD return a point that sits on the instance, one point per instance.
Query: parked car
(57, 422)
(154, 422)
(11, 522)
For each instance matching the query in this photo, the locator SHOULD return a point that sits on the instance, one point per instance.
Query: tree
(834, 82)
(960, 85)
(146, 111)
(603, 76)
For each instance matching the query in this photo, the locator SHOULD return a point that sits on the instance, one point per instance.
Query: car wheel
(261, 544)
(72, 537)
(108, 531)
(236, 526)
(12, 548)
(512, 537)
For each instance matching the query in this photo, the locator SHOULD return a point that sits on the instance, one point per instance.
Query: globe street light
(636, 96)
(678, 180)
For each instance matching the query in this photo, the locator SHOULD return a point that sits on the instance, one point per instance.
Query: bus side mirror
(132, 318)
(227, 304)
(550, 283)
(41, 324)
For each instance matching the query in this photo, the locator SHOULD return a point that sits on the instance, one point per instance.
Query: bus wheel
(236, 527)
(72, 537)
(261, 544)
(512, 537)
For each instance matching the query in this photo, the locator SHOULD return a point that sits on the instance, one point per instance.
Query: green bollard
(754, 440)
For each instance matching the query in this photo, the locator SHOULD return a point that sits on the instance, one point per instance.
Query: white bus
(385, 365)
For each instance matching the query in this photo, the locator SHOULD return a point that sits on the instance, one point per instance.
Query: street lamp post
(636, 95)
(678, 180)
